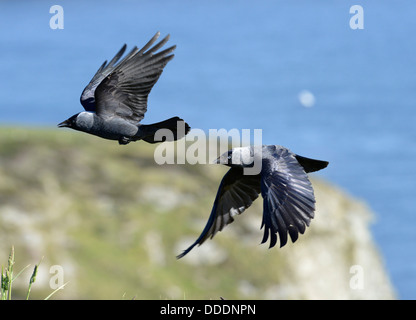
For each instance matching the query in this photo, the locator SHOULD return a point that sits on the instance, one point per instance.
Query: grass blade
(9, 274)
(57, 289)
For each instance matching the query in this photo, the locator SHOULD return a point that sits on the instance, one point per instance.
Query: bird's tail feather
(311, 165)
(174, 129)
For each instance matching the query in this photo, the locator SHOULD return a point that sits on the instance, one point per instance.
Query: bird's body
(288, 198)
(112, 128)
(115, 100)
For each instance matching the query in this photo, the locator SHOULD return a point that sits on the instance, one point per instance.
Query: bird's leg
(124, 140)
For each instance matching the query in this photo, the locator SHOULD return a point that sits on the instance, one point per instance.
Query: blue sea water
(242, 64)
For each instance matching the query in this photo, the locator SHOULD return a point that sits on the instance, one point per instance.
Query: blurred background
(295, 69)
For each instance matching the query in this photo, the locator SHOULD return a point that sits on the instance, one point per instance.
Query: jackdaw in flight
(115, 100)
(288, 198)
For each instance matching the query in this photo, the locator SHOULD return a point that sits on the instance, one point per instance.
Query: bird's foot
(124, 140)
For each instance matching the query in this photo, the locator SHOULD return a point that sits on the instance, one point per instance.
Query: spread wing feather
(235, 194)
(124, 92)
(121, 87)
(288, 198)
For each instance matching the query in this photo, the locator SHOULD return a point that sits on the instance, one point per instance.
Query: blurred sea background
(294, 69)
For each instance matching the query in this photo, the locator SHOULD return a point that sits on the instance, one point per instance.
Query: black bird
(288, 198)
(115, 100)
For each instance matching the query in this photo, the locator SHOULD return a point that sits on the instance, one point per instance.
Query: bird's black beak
(64, 124)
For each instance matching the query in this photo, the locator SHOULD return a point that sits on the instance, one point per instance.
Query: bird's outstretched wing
(235, 194)
(87, 96)
(288, 199)
(125, 87)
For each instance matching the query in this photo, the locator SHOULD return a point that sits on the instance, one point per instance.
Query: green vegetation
(7, 279)
(114, 221)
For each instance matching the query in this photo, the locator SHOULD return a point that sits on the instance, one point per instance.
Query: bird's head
(82, 121)
(237, 157)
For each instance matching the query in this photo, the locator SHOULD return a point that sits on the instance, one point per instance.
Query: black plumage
(115, 100)
(288, 198)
